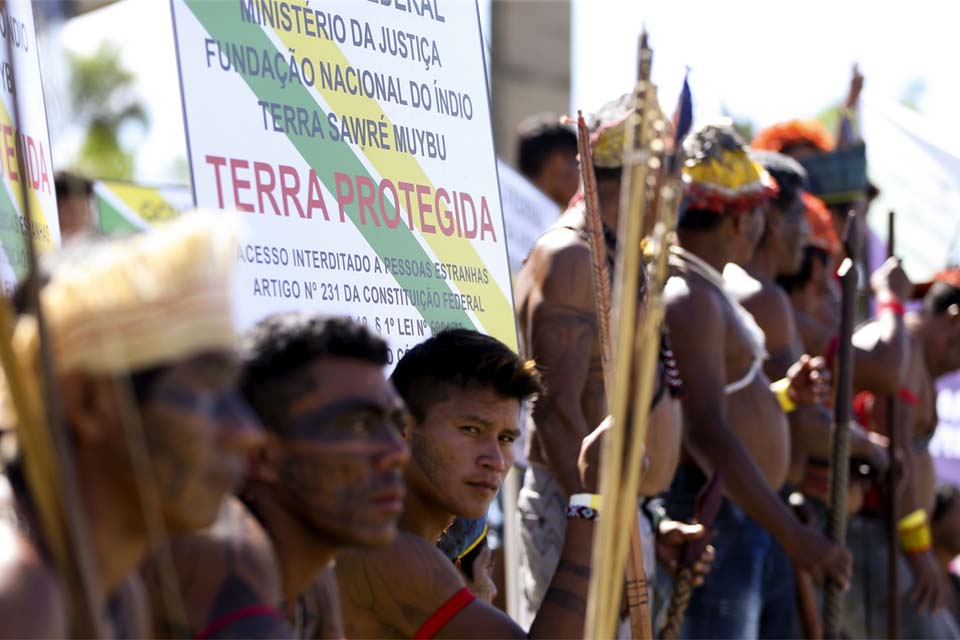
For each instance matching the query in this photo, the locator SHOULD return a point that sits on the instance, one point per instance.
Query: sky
(760, 61)
(769, 61)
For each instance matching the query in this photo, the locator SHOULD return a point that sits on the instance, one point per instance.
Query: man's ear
(89, 404)
(265, 461)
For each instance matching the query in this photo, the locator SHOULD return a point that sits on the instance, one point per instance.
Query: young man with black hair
(464, 391)
(143, 343)
(328, 477)
(733, 422)
(547, 157)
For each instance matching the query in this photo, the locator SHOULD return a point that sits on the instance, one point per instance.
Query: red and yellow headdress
(719, 175)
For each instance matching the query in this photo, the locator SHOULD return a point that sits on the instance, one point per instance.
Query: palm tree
(104, 100)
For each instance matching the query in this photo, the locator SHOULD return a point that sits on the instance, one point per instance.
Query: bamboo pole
(840, 453)
(637, 605)
(893, 500)
(643, 190)
(47, 455)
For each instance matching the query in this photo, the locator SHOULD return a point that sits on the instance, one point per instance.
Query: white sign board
(354, 139)
(24, 147)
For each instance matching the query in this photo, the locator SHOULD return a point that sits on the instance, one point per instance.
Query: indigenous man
(934, 352)
(733, 422)
(142, 323)
(781, 253)
(547, 157)
(328, 477)
(558, 324)
(464, 391)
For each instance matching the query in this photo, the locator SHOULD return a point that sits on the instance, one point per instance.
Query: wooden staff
(893, 501)
(840, 453)
(644, 187)
(45, 447)
(709, 501)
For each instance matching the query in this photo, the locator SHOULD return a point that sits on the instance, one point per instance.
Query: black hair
(461, 357)
(798, 280)
(940, 297)
(790, 176)
(944, 498)
(698, 220)
(539, 138)
(71, 185)
(283, 344)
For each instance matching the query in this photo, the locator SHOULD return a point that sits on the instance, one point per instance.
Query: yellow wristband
(591, 500)
(912, 520)
(780, 388)
(915, 532)
(916, 540)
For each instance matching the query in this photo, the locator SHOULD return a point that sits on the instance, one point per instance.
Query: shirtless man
(558, 324)
(329, 477)
(781, 252)
(733, 422)
(464, 391)
(143, 322)
(934, 351)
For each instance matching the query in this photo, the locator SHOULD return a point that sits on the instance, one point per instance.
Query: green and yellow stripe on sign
(12, 235)
(126, 207)
(224, 23)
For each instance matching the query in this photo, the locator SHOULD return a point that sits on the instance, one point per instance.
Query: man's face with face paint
(339, 461)
(199, 433)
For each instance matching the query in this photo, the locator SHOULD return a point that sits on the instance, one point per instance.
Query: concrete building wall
(529, 65)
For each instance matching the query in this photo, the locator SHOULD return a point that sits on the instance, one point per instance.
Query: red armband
(890, 304)
(444, 614)
(908, 396)
(224, 622)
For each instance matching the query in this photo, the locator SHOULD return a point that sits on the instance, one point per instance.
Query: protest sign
(354, 139)
(126, 207)
(24, 146)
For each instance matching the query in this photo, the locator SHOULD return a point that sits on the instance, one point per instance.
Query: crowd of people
(280, 483)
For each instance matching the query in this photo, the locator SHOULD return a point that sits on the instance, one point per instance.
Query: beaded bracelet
(582, 511)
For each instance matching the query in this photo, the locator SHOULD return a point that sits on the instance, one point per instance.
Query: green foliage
(104, 100)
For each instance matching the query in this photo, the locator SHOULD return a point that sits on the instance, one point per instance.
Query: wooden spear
(893, 501)
(840, 453)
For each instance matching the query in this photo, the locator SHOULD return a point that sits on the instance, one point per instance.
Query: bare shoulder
(222, 569)
(27, 584)
(400, 585)
(561, 264)
(769, 304)
(690, 302)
